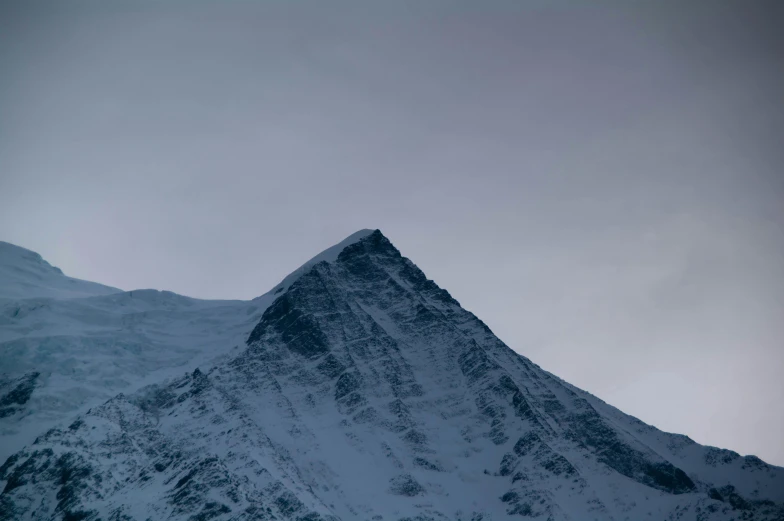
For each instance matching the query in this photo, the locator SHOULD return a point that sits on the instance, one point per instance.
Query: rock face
(366, 392)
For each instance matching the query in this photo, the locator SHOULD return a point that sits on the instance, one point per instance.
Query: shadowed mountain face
(366, 392)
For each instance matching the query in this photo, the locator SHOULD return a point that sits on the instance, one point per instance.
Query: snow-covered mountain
(361, 390)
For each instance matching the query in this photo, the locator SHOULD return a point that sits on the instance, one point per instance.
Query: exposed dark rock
(405, 485)
(331, 366)
(20, 392)
(526, 443)
(347, 383)
(590, 431)
(425, 464)
(297, 330)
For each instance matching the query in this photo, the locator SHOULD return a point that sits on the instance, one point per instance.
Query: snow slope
(365, 391)
(24, 274)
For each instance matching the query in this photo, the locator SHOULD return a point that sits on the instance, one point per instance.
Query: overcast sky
(602, 185)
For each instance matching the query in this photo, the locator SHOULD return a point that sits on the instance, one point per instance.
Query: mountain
(364, 391)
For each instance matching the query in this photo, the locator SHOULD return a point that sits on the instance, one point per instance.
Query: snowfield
(355, 389)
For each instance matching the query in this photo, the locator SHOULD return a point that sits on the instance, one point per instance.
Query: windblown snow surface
(355, 389)
(24, 274)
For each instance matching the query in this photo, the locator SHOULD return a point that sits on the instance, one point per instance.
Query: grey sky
(602, 185)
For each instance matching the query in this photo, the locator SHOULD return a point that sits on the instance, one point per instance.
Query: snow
(24, 274)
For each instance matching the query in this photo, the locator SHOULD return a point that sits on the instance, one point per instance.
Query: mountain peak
(373, 241)
(329, 255)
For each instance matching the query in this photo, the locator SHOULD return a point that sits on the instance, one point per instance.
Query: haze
(602, 185)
